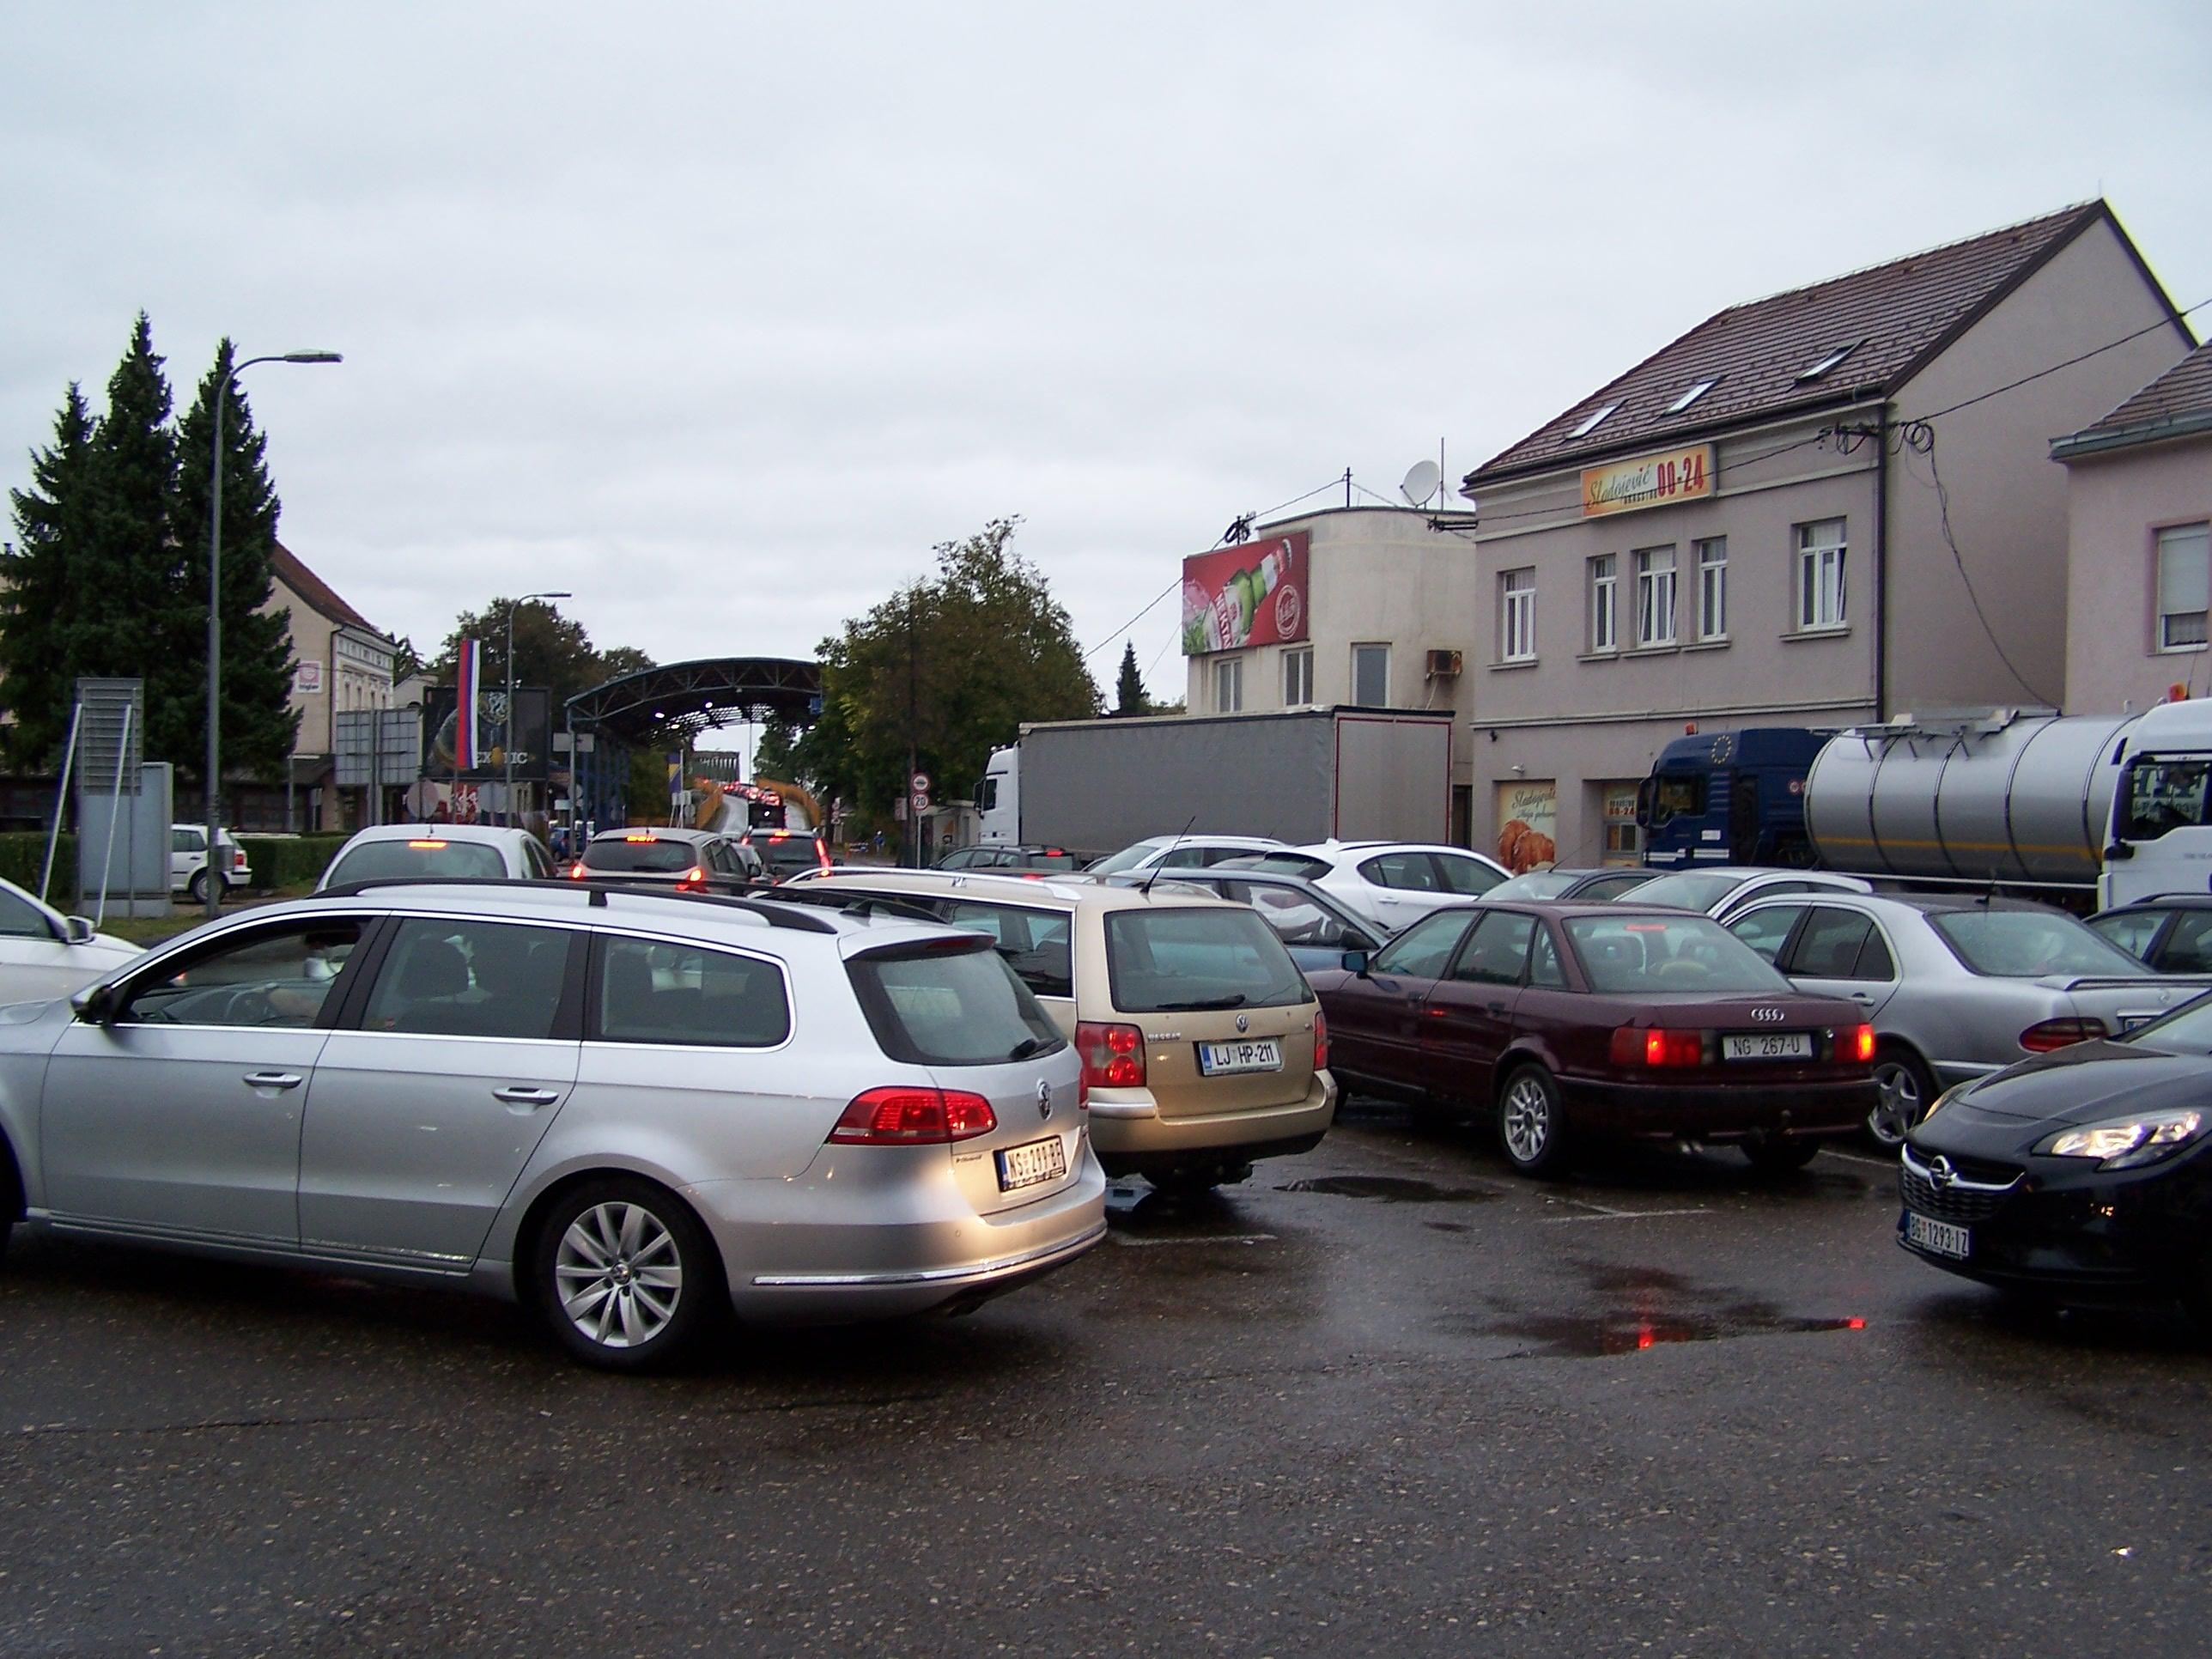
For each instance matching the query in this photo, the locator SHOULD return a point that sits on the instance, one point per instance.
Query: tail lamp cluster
(910, 1116)
(2043, 1036)
(1113, 1055)
(1663, 1045)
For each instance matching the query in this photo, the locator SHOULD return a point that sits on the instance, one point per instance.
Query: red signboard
(1254, 594)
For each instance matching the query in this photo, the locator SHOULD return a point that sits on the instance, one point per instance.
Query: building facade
(343, 663)
(1827, 506)
(2139, 538)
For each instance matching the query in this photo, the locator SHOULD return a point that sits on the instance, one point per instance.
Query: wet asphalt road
(1387, 1398)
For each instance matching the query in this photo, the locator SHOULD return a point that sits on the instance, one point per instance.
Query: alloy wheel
(1900, 1105)
(619, 1274)
(1527, 1122)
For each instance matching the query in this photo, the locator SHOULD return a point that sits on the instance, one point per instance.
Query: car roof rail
(774, 913)
(849, 899)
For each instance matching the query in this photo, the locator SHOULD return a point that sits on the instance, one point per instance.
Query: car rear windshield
(383, 860)
(2029, 944)
(949, 1003)
(1128, 858)
(1689, 890)
(1640, 956)
(648, 853)
(1536, 885)
(789, 853)
(1166, 961)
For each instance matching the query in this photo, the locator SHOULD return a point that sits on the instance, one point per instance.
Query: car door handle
(274, 1080)
(1497, 1007)
(1861, 996)
(520, 1096)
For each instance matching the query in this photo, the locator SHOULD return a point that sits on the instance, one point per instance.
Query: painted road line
(1630, 1215)
(1204, 1238)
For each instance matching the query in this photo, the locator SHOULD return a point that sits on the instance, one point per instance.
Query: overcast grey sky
(720, 316)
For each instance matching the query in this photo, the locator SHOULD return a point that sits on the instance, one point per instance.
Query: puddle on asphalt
(1642, 1307)
(1392, 1190)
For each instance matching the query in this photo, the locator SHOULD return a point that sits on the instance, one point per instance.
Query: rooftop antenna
(1423, 480)
(1170, 854)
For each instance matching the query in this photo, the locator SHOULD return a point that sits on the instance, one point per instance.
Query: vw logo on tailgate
(1769, 1016)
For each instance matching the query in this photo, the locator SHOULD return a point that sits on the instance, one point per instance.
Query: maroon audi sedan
(1566, 1020)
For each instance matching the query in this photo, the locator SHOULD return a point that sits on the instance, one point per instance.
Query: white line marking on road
(1629, 1215)
(1208, 1238)
(1854, 1157)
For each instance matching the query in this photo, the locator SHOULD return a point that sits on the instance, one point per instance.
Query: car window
(536, 861)
(1641, 955)
(1035, 943)
(2188, 948)
(1161, 961)
(1291, 864)
(2029, 944)
(1612, 887)
(1876, 961)
(1535, 885)
(1688, 890)
(1422, 950)
(1128, 858)
(1828, 944)
(2131, 930)
(1186, 858)
(649, 991)
(1465, 875)
(929, 1005)
(278, 977)
(1544, 962)
(21, 919)
(427, 855)
(483, 979)
(1409, 871)
(1767, 930)
(187, 840)
(1498, 950)
(1296, 918)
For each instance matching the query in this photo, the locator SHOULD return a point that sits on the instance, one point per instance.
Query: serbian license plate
(1940, 1236)
(1257, 1055)
(1031, 1162)
(1768, 1045)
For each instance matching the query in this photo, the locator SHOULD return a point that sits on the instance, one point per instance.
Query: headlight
(2128, 1143)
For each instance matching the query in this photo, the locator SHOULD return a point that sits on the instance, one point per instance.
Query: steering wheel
(252, 1008)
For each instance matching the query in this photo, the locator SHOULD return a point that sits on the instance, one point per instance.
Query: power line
(2109, 345)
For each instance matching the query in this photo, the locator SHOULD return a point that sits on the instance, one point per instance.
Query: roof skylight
(1590, 425)
(1829, 361)
(1693, 394)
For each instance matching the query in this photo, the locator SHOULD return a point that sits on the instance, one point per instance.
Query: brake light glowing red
(576, 871)
(694, 876)
(1856, 1043)
(1320, 1040)
(1113, 1055)
(1638, 1045)
(2043, 1036)
(906, 1115)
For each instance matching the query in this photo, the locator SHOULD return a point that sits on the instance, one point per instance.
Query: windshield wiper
(1026, 1047)
(1233, 999)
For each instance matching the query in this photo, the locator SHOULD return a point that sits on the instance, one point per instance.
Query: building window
(1590, 425)
(1655, 596)
(1713, 588)
(1820, 574)
(1516, 615)
(1228, 685)
(1695, 392)
(1371, 676)
(2184, 586)
(1624, 840)
(1604, 625)
(1298, 677)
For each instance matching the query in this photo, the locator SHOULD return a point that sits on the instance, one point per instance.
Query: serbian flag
(468, 740)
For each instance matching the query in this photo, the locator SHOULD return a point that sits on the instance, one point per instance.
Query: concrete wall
(2007, 502)
(2117, 502)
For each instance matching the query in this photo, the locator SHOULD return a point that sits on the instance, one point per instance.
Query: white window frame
(1605, 602)
(2174, 588)
(1383, 647)
(1517, 615)
(1228, 685)
(1818, 603)
(1656, 592)
(1297, 677)
(1711, 554)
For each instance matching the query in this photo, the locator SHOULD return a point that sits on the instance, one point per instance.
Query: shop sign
(307, 679)
(1528, 824)
(1242, 595)
(1623, 840)
(1678, 474)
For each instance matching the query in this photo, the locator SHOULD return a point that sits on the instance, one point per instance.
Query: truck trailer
(1304, 775)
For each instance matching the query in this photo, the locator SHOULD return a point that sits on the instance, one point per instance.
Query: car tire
(1908, 1090)
(199, 888)
(1532, 1126)
(1780, 1154)
(603, 1266)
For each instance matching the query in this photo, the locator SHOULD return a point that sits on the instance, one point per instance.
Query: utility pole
(913, 723)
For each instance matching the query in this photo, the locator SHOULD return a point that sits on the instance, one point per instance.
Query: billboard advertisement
(1528, 824)
(1254, 594)
(531, 733)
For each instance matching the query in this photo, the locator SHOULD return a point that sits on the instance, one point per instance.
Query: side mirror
(94, 1004)
(2118, 851)
(77, 930)
(1354, 962)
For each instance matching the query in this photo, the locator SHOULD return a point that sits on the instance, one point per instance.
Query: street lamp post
(215, 876)
(508, 747)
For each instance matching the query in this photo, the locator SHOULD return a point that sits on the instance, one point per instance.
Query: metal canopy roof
(691, 696)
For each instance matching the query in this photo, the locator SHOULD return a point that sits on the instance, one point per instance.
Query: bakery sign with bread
(1528, 824)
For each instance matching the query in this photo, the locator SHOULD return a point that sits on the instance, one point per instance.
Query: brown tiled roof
(2179, 398)
(316, 592)
(1894, 318)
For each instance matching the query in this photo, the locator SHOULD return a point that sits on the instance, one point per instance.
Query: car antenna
(1170, 854)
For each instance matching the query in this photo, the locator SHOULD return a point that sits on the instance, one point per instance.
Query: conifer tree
(37, 583)
(1129, 695)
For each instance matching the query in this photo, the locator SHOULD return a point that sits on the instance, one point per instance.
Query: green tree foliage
(37, 577)
(259, 722)
(949, 667)
(774, 755)
(1129, 695)
(550, 650)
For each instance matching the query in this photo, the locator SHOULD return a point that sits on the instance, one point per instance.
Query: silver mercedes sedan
(638, 1113)
(1956, 987)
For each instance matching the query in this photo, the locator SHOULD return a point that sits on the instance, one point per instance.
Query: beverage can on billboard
(1243, 596)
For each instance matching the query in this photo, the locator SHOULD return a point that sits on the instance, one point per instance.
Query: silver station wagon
(635, 1112)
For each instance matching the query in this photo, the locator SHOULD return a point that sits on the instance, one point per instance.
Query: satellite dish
(1421, 481)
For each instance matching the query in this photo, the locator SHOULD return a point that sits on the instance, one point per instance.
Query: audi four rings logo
(1769, 1015)
(1044, 1098)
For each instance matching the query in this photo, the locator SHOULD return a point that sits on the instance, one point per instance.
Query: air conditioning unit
(1443, 664)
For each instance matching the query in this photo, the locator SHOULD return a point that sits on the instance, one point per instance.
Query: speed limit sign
(920, 798)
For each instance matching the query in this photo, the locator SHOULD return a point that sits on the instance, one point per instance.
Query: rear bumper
(1129, 1139)
(1705, 1112)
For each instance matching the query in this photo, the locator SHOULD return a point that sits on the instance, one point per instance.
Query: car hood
(2083, 1084)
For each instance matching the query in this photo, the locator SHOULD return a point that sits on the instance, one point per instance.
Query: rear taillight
(238, 857)
(1320, 1041)
(2043, 1036)
(694, 875)
(910, 1116)
(822, 854)
(1652, 1045)
(576, 871)
(1854, 1044)
(1113, 1055)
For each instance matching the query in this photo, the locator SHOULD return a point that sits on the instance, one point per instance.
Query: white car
(1180, 853)
(188, 860)
(475, 851)
(45, 954)
(1396, 883)
(1724, 892)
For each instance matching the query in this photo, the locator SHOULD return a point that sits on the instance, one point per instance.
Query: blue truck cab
(1729, 798)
